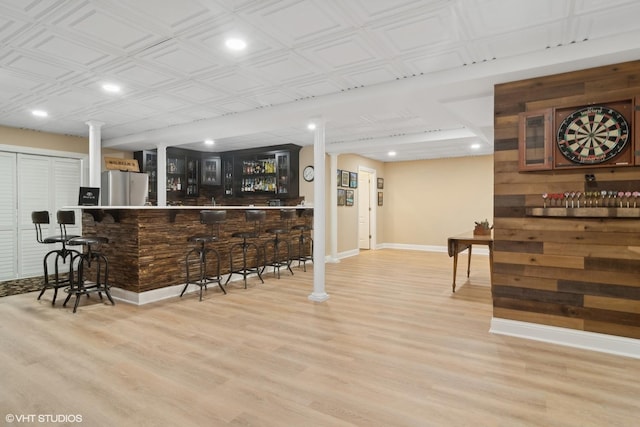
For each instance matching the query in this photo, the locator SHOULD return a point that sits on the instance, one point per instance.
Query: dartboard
(593, 135)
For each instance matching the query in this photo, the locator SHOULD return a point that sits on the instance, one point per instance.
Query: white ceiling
(414, 76)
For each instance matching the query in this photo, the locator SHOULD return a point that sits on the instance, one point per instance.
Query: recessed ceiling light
(392, 153)
(475, 146)
(40, 113)
(110, 87)
(235, 44)
(209, 141)
(311, 126)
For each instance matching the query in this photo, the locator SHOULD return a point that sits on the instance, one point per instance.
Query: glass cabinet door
(193, 173)
(210, 171)
(535, 141)
(175, 177)
(283, 163)
(150, 167)
(259, 175)
(148, 163)
(228, 176)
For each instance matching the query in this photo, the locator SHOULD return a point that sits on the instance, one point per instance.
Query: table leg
(455, 265)
(469, 262)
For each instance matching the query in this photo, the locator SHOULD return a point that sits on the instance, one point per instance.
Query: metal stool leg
(204, 278)
(302, 241)
(245, 270)
(276, 261)
(79, 286)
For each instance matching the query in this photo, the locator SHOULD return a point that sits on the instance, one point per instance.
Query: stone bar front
(148, 244)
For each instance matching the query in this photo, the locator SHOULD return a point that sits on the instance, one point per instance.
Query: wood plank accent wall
(578, 273)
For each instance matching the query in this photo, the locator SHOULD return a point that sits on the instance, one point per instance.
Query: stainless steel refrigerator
(121, 188)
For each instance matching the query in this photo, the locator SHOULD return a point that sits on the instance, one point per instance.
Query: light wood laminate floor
(391, 347)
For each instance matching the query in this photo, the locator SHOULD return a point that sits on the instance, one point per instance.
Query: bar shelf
(589, 212)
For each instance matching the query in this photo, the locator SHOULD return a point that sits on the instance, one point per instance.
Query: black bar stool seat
(91, 258)
(257, 217)
(201, 253)
(278, 260)
(304, 240)
(64, 254)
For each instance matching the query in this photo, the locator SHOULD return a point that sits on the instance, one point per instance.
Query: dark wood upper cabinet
(535, 140)
(148, 163)
(267, 171)
(211, 170)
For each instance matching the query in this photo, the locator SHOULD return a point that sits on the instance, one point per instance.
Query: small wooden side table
(459, 243)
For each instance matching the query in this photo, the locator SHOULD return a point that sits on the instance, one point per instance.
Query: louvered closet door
(44, 183)
(8, 232)
(66, 179)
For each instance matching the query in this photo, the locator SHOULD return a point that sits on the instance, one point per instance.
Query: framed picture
(380, 198)
(380, 183)
(339, 177)
(341, 196)
(349, 199)
(344, 181)
(353, 180)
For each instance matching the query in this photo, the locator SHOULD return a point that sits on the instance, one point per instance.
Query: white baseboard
(160, 294)
(347, 254)
(148, 297)
(604, 343)
(426, 248)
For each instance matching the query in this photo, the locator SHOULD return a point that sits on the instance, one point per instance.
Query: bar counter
(148, 244)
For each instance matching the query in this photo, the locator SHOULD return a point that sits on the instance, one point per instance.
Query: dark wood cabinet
(272, 171)
(227, 165)
(210, 170)
(193, 176)
(148, 163)
(535, 140)
(183, 174)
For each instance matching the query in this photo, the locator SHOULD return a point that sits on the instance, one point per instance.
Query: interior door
(364, 210)
(44, 183)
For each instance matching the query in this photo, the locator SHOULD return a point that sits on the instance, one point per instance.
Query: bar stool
(64, 218)
(304, 241)
(94, 259)
(286, 216)
(198, 254)
(257, 217)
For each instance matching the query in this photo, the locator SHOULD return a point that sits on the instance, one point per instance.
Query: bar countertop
(222, 207)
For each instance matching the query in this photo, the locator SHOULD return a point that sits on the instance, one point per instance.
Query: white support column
(319, 252)
(95, 152)
(162, 175)
(333, 208)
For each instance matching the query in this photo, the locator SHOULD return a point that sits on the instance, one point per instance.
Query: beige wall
(51, 141)
(426, 201)
(348, 215)
(42, 140)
